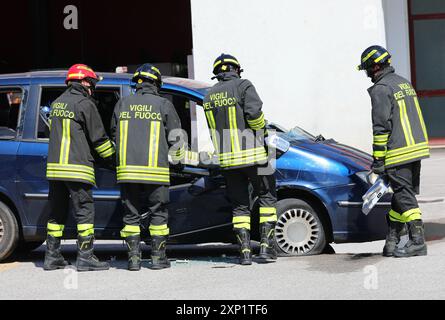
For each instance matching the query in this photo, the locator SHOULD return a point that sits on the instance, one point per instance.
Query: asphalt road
(356, 271)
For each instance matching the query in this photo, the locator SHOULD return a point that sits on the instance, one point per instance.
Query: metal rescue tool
(375, 193)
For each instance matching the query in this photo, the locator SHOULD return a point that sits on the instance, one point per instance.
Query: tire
(299, 230)
(9, 232)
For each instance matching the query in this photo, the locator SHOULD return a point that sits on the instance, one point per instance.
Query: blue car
(319, 182)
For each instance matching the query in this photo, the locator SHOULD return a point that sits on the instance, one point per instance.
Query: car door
(198, 202)
(31, 162)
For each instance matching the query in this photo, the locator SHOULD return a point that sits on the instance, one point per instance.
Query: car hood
(354, 159)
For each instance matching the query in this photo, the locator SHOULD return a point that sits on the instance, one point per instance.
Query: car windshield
(296, 133)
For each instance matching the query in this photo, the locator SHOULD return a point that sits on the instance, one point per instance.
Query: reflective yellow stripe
(107, 144)
(422, 122)
(157, 131)
(264, 219)
(55, 227)
(410, 156)
(71, 167)
(217, 63)
(242, 226)
(241, 219)
(381, 143)
(244, 153)
(396, 217)
(147, 74)
(212, 125)
(145, 171)
(369, 55)
(381, 57)
(268, 210)
(155, 69)
(153, 146)
(411, 215)
(231, 60)
(404, 150)
(405, 123)
(71, 75)
(107, 153)
(67, 175)
(66, 141)
(130, 231)
(161, 230)
(379, 154)
(130, 168)
(257, 123)
(85, 229)
(142, 177)
(123, 137)
(381, 138)
(233, 129)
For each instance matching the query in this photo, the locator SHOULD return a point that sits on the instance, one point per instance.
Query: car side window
(10, 102)
(106, 98)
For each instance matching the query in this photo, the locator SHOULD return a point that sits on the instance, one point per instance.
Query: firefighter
(400, 143)
(237, 126)
(76, 128)
(143, 127)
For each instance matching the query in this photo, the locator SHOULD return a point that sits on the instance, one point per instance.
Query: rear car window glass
(106, 100)
(10, 102)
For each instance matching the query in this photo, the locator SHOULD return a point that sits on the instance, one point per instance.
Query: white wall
(300, 54)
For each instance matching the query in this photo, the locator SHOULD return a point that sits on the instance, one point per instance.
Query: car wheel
(299, 230)
(9, 232)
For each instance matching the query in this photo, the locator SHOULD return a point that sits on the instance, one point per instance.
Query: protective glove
(378, 166)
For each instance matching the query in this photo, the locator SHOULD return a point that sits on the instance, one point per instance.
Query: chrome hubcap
(297, 231)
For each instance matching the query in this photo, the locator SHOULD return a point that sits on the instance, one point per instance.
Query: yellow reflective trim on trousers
(268, 219)
(66, 141)
(396, 217)
(382, 137)
(233, 129)
(422, 122)
(161, 230)
(381, 57)
(85, 229)
(406, 126)
(241, 219)
(241, 226)
(369, 55)
(379, 154)
(268, 210)
(410, 156)
(55, 227)
(404, 150)
(55, 234)
(412, 214)
(129, 230)
(383, 143)
(123, 137)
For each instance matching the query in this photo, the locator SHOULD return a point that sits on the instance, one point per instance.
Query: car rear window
(10, 102)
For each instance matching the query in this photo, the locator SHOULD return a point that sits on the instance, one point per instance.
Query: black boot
(243, 238)
(86, 260)
(396, 230)
(134, 252)
(159, 258)
(267, 248)
(416, 245)
(53, 258)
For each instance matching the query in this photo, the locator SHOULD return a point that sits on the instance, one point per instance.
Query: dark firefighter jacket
(400, 135)
(236, 122)
(76, 128)
(144, 126)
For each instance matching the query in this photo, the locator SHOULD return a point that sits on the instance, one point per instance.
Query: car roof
(57, 77)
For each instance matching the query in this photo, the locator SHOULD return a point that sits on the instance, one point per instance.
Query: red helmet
(81, 72)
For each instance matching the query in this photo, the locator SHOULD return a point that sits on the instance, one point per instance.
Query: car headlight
(367, 177)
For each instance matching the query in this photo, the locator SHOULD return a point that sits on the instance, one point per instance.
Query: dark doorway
(109, 34)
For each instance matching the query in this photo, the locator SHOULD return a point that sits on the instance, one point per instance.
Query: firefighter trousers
(237, 186)
(139, 198)
(405, 181)
(59, 203)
